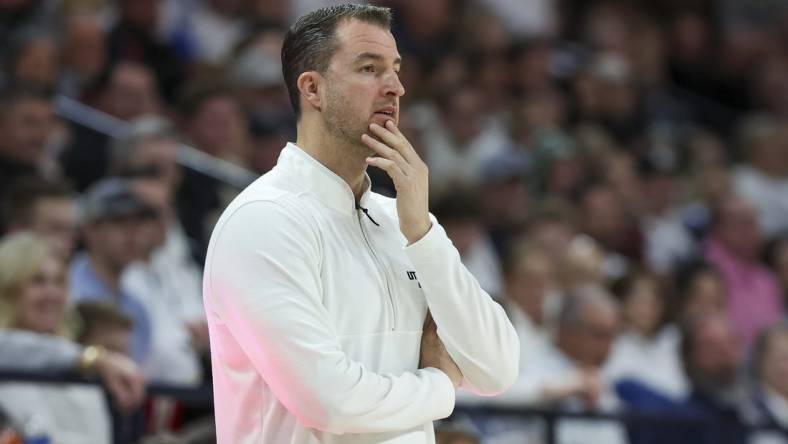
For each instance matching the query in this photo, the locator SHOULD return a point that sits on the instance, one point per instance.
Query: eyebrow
(374, 56)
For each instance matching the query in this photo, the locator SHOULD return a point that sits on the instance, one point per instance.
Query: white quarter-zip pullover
(316, 306)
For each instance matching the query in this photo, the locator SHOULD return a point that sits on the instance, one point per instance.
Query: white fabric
(68, 414)
(482, 261)
(655, 362)
(315, 316)
(547, 366)
(451, 164)
(668, 242)
(768, 195)
(169, 287)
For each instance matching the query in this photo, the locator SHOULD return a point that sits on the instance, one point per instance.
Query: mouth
(389, 111)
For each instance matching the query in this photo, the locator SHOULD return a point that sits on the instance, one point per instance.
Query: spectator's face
(738, 229)
(56, 220)
(84, 50)
(464, 113)
(117, 242)
(159, 155)
(131, 93)
(219, 128)
(25, 130)
(775, 364)
(706, 295)
(530, 282)
(715, 354)
(643, 306)
(604, 215)
(595, 336)
(37, 65)
(112, 337)
(357, 88)
(43, 299)
(464, 233)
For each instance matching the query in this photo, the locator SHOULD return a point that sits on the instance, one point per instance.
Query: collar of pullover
(320, 181)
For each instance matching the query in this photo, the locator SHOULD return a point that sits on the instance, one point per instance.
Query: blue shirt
(86, 285)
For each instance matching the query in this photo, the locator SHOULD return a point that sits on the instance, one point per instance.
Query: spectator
(711, 356)
(26, 121)
(460, 140)
(33, 297)
(128, 91)
(165, 279)
(460, 216)
(770, 371)
(700, 290)
(47, 208)
(113, 223)
(763, 180)
(134, 39)
(668, 242)
(84, 53)
(105, 326)
(33, 60)
(754, 299)
(647, 351)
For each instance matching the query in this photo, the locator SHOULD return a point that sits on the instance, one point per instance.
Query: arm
(24, 350)
(264, 283)
(474, 328)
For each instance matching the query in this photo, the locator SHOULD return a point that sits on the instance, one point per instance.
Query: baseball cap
(113, 198)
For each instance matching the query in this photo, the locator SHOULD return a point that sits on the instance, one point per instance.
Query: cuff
(445, 396)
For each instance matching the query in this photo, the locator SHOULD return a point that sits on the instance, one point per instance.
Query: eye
(368, 68)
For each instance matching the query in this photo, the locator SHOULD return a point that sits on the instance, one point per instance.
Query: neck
(105, 271)
(343, 159)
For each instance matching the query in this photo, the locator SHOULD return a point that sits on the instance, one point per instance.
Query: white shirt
(66, 413)
(169, 287)
(655, 362)
(315, 316)
(768, 195)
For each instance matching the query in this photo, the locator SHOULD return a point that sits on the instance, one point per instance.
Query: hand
(591, 386)
(401, 162)
(434, 354)
(199, 335)
(123, 379)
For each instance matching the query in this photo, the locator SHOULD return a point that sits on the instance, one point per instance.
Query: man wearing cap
(113, 221)
(317, 289)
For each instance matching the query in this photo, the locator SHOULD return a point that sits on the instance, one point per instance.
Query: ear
(310, 86)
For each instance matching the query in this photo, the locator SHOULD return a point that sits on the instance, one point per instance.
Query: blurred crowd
(614, 173)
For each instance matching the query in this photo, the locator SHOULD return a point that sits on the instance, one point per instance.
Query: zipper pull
(366, 211)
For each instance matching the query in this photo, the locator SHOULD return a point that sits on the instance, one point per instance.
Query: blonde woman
(33, 299)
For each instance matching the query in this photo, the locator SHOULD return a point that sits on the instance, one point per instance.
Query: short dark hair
(25, 193)
(95, 315)
(17, 93)
(311, 41)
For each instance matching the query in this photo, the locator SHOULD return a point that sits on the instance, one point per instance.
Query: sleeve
(265, 284)
(474, 328)
(23, 350)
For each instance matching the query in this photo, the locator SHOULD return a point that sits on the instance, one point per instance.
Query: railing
(202, 398)
(189, 157)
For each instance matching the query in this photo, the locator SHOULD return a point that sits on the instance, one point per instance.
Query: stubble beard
(344, 125)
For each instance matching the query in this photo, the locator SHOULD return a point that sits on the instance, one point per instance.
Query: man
(114, 218)
(46, 207)
(317, 290)
(734, 246)
(26, 121)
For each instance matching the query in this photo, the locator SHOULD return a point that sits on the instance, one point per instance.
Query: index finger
(391, 136)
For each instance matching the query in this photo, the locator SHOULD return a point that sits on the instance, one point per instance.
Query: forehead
(356, 37)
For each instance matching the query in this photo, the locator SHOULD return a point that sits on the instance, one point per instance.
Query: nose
(393, 86)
